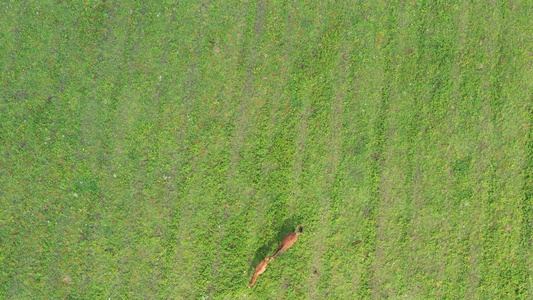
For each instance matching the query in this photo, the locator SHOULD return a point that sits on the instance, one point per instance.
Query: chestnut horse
(260, 269)
(288, 241)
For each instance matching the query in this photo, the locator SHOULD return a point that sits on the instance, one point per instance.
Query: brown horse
(287, 242)
(260, 269)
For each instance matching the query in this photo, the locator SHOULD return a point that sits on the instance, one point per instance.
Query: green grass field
(161, 149)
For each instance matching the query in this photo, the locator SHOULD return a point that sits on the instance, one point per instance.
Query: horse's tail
(277, 252)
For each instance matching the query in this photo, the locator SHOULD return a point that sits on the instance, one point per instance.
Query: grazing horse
(260, 269)
(287, 242)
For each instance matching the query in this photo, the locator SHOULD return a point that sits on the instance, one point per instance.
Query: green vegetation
(161, 149)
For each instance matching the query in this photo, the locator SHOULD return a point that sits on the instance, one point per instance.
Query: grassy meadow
(161, 149)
